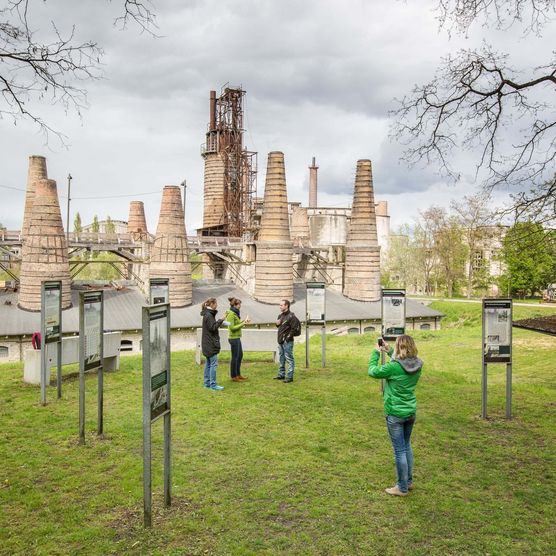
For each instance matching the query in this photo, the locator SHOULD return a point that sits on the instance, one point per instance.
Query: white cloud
(320, 78)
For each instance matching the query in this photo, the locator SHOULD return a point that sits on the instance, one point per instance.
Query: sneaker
(278, 377)
(288, 380)
(242, 378)
(395, 491)
(205, 386)
(217, 387)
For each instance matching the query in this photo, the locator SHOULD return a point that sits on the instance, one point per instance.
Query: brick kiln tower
(273, 264)
(300, 225)
(362, 266)
(44, 254)
(169, 255)
(37, 171)
(136, 224)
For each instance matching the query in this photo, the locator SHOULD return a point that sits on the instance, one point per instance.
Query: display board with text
(159, 290)
(393, 313)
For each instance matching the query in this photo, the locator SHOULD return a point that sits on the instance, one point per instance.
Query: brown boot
(236, 379)
(242, 377)
(395, 491)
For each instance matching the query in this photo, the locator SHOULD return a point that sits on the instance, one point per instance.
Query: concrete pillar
(362, 264)
(169, 253)
(44, 254)
(36, 171)
(300, 225)
(273, 265)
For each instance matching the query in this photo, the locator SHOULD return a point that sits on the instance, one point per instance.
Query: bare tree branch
(479, 104)
(32, 70)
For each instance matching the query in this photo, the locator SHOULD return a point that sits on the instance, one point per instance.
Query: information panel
(159, 360)
(92, 328)
(393, 313)
(159, 290)
(52, 311)
(497, 330)
(156, 397)
(316, 302)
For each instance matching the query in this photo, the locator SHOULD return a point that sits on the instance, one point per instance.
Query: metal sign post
(315, 313)
(159, 290)
(51, 331)
(392, 317)
(91, 353)
(497, 346)
(156, 397)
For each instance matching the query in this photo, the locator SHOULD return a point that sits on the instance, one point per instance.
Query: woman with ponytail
(210, 342)
(234, 337)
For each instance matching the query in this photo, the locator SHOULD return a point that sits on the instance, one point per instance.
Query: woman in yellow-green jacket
(234, 337)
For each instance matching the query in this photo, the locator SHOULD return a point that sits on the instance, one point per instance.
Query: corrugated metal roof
(122, 309)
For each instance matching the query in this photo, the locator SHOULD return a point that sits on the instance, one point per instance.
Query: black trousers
(237, 357)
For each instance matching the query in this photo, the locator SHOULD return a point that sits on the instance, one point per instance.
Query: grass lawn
(266, 468)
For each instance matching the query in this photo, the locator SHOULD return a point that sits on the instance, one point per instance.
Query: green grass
(274, 469)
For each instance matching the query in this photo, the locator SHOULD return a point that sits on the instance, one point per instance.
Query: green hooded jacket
(401, 377)
(236, 324)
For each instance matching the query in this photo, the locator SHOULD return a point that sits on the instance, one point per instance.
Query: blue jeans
(285, 353)
(211, 363)
(237, 357)
(399, 430)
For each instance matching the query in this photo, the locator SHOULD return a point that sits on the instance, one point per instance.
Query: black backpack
(295, 325)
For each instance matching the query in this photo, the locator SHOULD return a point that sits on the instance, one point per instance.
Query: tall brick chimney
(273, 264)
(362, 265)
(169, 254)
(313, 184)
(37, 171)
(44, 253)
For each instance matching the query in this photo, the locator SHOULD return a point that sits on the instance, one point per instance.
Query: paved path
(545, 305)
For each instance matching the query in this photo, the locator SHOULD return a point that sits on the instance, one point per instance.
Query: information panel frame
(156, 362)
(315, 314)
(51, 332)
(159, 290)
(91, 353)
(496, 345)
(392, 322)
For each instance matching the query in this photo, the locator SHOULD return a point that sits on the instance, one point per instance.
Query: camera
(380, 342)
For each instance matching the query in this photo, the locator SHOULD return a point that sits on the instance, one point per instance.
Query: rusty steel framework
(225, 137)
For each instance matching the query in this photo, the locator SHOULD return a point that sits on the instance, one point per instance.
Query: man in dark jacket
(285, 342)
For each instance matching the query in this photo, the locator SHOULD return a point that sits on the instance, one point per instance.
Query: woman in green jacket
(234, 337)
(401, 375)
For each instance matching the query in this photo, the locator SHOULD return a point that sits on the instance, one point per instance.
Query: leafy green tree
(109, 226)
(77, 226)
(95, 226)
(530, 259)
(475, 219)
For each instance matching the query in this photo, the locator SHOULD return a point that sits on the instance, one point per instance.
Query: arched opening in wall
(369, 329)
(126, 345)
(4, 352)
(353, 330)
(425, 326)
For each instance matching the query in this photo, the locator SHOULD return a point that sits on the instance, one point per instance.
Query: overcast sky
(320, 75)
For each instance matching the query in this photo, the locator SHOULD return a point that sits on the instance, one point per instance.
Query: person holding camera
(401, 375)
(232, 315)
